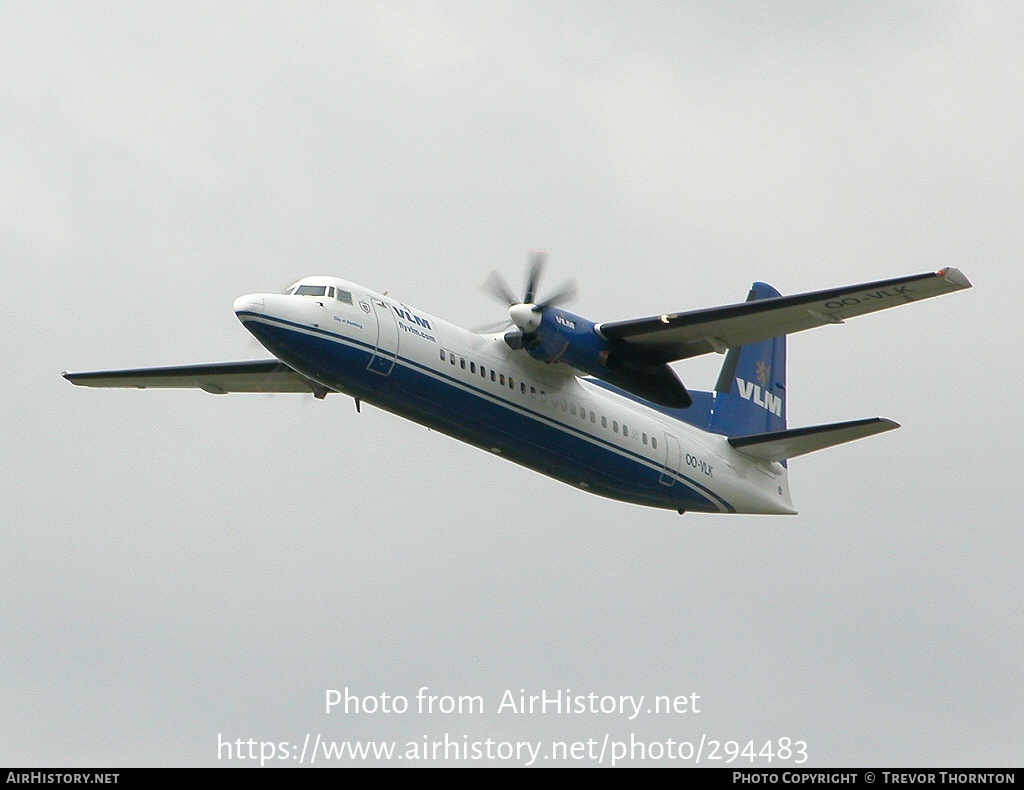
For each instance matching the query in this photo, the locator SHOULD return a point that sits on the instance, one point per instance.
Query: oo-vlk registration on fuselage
(596, 406)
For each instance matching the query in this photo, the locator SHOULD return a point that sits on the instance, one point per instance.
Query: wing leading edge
(219, 378)
(675, 336)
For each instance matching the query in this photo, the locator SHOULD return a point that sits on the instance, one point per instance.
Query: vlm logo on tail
(759, 395)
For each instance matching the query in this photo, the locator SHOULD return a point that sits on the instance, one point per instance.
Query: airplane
(594, 405)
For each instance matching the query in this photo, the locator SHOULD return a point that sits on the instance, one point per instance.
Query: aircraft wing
(220, 378)
(780, 445)
(674, 336)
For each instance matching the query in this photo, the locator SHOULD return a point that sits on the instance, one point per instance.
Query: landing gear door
(673, 457)
(383, 359)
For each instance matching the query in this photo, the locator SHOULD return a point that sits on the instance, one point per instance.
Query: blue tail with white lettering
(750, 396)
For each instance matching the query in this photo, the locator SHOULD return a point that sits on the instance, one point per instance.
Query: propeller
(525, 313)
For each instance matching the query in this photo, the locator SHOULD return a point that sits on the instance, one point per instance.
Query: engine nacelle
(570, 339)
(564, 337)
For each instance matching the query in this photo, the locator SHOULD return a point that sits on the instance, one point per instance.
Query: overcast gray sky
(178, 566)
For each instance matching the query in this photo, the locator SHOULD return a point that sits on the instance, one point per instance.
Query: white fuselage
(475, 388)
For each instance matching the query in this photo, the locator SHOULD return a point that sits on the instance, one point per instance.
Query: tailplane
(780, 445)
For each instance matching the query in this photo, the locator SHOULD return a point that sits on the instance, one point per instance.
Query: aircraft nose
(253, 303)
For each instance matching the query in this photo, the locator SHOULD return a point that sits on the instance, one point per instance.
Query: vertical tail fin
(750, 396)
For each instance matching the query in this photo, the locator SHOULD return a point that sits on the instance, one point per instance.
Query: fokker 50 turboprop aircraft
(593, 405)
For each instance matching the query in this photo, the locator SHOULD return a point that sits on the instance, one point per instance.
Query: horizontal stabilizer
(263, 375)
(780, 445)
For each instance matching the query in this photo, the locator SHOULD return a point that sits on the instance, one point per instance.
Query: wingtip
(955, 276)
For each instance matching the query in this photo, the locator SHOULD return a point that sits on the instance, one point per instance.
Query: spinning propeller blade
(520, 310)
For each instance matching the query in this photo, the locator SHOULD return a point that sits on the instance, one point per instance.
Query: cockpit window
(320, 290)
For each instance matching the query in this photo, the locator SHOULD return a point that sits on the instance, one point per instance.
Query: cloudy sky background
(176, 565)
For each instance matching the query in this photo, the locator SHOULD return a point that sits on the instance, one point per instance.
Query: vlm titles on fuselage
(595, 405)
